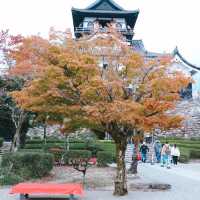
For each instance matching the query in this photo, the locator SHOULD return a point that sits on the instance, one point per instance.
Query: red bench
(27, 189)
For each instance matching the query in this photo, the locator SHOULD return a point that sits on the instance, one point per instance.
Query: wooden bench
(40, 191)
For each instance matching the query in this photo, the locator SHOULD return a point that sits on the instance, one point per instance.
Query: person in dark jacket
(157, 150)
(144, 149)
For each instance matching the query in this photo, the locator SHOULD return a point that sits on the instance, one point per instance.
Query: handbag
(138, 157)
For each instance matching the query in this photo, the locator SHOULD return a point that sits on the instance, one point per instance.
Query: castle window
(118, 25)
(90, 25)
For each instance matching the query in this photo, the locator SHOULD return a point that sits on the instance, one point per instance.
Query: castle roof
(177, 53)
(97, 3)
(106, 8)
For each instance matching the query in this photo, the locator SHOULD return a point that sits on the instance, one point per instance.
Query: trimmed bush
(195, 154)
(195, 139)
(56, 145)
(104, 158)
(10, 179)
(33, 146)
(28, 164)
(76, 154)
(74, 144)
(58, 154)
(1, 142)
(30, 150)
(107, 141)
(94, 147)
(62, 141)
(184, 158)
(34, 141)
(77, 146)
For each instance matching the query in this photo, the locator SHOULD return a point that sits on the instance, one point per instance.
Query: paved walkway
(185, 181)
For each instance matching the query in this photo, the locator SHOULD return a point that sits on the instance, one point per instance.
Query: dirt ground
(95, 177)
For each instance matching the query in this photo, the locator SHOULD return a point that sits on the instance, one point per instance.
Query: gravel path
(185, 181)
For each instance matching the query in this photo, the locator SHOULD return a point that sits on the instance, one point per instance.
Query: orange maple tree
(126, 93)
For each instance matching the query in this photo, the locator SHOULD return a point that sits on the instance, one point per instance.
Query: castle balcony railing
(87, 30)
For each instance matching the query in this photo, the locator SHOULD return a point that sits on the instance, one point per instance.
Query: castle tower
(98, 15)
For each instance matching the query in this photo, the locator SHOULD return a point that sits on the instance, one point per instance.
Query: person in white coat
(175, 153)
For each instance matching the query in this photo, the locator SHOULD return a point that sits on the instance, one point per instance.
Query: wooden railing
(103, 30)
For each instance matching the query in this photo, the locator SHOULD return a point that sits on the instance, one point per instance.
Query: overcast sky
(162, 24)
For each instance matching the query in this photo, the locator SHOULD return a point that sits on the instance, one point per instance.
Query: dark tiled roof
(79, 14)
(97, 2)
(107, 11)
(138, 46)
(176, 52)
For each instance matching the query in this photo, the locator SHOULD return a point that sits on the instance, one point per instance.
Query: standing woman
(175, 153)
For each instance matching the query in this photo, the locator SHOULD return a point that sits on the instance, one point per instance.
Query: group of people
(165, 153)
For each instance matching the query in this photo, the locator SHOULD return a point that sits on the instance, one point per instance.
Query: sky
(162, 24)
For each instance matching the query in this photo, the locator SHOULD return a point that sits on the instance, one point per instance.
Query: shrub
(56, 145)
(37, 138)
(28, 164)
(94, 147)
(33, 146)
(195, 154)
(1, 142)
(186, 145)
(104, 158)
(58, 154)
(110, 147)
(74, 144)
(10, 179)
(30, 150)
(107, 141)
(77, 146)
(34, 141)
(50, 140)
(195, 139)
(184, 158)
(76, 154)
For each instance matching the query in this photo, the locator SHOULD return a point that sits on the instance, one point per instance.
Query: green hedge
(28, 164)
(184, 158)
(76, 154)
(56, 145)
(62, 141)
(31, 150)
(94, 146)
(104, 158)
(181, 141)
(109, 147)
(195, 154)
(58, 154)
(1, 142)
(10, 179)
(187, 143)
(180, 138)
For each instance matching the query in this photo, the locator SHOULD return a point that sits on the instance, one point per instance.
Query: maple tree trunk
(16, 139)
(121, 178)
(134, 164)
(45, 133)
